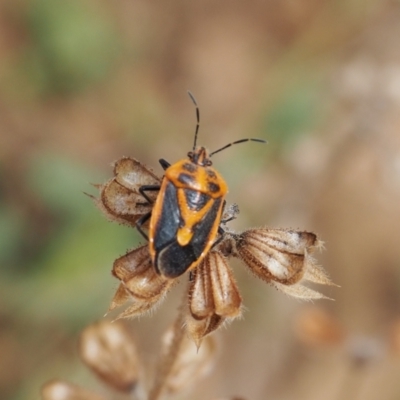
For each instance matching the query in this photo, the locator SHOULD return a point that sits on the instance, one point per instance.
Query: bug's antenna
(237, 142)
(197, 118)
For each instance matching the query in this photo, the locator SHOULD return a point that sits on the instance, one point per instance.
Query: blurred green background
(83, 83)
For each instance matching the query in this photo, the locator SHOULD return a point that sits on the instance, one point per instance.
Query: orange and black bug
(186, 216)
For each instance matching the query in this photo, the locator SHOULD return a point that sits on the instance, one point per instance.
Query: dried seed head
(132, 174)
(276, 254)
(108, 349)
(61, 390)
(314, 326)
(213, 296)
(120, 199)
(280, 257)
(191, 365)
(121, 204)
(214, 289)
(139, 282)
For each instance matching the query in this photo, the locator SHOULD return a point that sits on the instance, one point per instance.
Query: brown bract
(213, 296)
(280, 257)
(120, 199)
(140, 283)
(108, 349)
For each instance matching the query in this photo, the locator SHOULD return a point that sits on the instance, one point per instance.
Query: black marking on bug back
(196, 200)
(201, 231)
(211, 174)
(174, 260)
(187, 179)
(190, 167)
(213, 187)
(168, 223)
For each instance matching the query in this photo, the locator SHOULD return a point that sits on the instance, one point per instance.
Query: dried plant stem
(170, 356)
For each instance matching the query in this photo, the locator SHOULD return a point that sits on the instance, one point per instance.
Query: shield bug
(186, 215)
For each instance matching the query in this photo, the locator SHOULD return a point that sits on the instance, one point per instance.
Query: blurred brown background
(84, 82)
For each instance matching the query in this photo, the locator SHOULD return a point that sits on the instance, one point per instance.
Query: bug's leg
(165, 164)
(221, 236)
(152, 188)
(224, 221)
(147, 188)
(191, 276)
(140, 222)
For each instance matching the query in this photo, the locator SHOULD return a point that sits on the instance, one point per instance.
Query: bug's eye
(190, 154)
(208, 163)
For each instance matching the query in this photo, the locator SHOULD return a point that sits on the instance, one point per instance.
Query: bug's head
(200, 156)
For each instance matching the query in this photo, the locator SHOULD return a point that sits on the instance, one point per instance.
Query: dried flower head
(120, 198)
(213, 296)
(140, 283)
(280, 257)
(108, 349)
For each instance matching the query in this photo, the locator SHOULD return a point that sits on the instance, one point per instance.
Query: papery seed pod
(61, 390)
(121, 296)
(316, 274)
(140, 281)
(213, 296)
(276, 254)
(214, 290)
(120, 199)
(197, 329)
(109, 350)
(121, 204)
(132, 174)
(191, 365)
